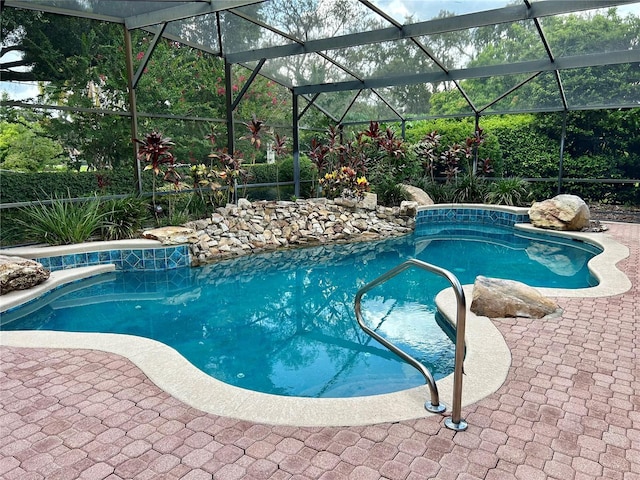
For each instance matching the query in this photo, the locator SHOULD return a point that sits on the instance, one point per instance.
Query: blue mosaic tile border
(470, 215)
(126, 260)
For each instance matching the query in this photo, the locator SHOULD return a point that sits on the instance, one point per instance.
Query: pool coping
(487, 361)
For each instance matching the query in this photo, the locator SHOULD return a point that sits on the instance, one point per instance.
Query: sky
(426, 9)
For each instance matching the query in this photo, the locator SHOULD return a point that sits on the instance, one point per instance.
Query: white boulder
(498, 298)
(17, 273)
(563, 212)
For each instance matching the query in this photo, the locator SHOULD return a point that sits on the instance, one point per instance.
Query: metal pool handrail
(454, 422)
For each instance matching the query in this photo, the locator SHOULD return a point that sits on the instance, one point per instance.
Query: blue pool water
(283, 322)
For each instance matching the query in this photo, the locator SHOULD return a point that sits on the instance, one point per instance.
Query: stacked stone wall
(245, 228)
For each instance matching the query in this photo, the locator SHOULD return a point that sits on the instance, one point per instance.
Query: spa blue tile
(80, 259)
(93, 258)
(68, 261)
(160, 264)
(124, 260)
(132, 256)
(55, 262)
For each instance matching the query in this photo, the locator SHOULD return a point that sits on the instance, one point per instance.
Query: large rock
(171, 235)
(497, 298)
(17, 273)
(418, 195)
(563, 212)
(369, 201)
(408, 208)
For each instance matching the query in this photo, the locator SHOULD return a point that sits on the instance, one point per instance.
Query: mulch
(615, 213)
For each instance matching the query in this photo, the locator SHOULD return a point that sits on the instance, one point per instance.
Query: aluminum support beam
(133, 108)
(296, 146)
(181, 12)
(512, 13)
(534, 66)
(147, 55)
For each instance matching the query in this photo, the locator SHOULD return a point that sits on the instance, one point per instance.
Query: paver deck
(569, 410)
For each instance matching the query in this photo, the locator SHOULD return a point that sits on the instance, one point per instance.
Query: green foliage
(508, 191)
(379, 154)
(62, 222)
(24, 148)
(24, 187)
(590, 166)
(285, 169)
(390, 192)
(456, 132)
(264, 172)
(573, 34)
(344, 182)
(439, 192)
(82, 63)
(526, 151)
(11, 232)
(282, 171)
(543, 190)
(123, 218)
(173, 217)
(469, 189)
(98, 142)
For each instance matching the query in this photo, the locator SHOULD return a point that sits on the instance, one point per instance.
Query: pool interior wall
(486, 364)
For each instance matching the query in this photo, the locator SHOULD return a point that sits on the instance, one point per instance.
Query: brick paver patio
(569, 410)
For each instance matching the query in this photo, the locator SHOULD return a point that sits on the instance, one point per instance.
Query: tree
(23, 147)
(40, 43)
(568, 35)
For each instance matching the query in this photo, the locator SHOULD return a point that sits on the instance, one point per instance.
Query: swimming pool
(283, 322)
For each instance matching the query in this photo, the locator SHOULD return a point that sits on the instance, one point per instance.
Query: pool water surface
(283, 322)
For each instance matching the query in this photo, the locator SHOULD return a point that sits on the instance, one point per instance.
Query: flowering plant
(344, 182)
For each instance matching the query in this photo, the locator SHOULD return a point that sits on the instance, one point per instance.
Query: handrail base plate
(430, 407)
(458, 427)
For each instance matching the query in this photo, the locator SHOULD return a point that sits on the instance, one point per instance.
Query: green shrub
(543, 190)
(26, 187)
(12, 233)
(469, 189)
(62, 222)
(590, 166)
(390, 193)
(262, 172)
(439, 192)
(509, 191)
(526, 151)
(123, 218)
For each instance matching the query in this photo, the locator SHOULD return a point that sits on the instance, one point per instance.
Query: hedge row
(25, 187)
